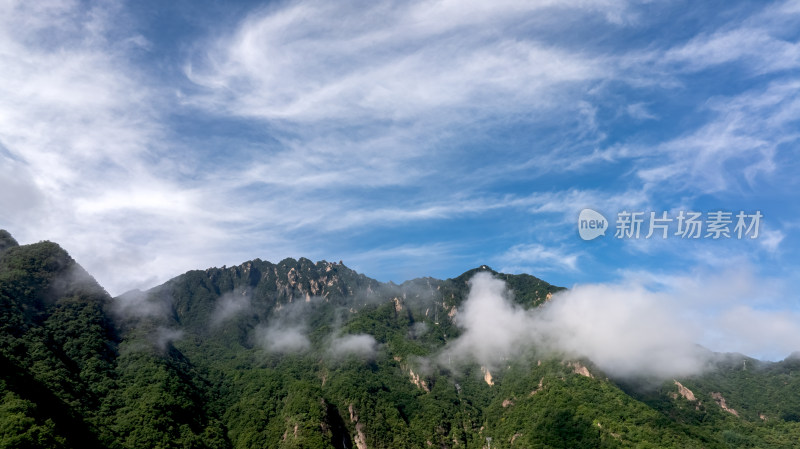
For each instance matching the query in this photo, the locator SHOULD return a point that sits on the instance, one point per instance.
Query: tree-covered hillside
(314, 355)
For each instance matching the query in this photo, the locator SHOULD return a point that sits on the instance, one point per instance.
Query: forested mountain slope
(314, 355)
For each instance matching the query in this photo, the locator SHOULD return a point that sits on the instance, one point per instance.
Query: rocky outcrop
(685, 392)
(723, 405)
(579, 368)
(360, 439)
(538, 388)
(417, 380)
(487, 376)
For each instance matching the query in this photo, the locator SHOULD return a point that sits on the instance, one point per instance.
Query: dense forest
(314, 355)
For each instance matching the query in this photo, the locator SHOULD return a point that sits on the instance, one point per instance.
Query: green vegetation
(184, 365)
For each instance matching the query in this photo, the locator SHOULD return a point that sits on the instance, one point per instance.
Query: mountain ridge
(305, 354)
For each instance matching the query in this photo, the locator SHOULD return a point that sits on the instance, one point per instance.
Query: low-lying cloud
(283, 339)
(164, 337)
(287, 330)
(360, 345)
(137, 304)
(229, 306)
(626, 329)
(495, 328)
(418, 329)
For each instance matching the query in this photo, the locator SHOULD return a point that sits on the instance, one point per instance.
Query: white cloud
(89, 162)
(379, 95)
(164, 337)
(533, 258)
(629, 329)
(382, 61)
(75, 121)
(138, 304)
(86, 160)
(284, 338)
(624, 329)
(19, 194)
(762, 52)
(774, 333)
(639, 111)
(747, 130)
(229, 306)
(360, 345)
(385, 98)
(494, 327)
(771, 239)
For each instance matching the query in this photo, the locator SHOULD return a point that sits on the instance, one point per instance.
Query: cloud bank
(627, 329)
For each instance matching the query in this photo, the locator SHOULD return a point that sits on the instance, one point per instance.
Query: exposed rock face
(721, 401)
(685, 392)
(418, 381)
(579, 368)
(487, 376)
(353, 416)
(452, 312)
(272, 286)
(360, 439)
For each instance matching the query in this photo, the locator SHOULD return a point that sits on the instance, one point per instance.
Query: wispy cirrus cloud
(87, 158)
(74, 121)
(382, 61)
(371, 124)
(536, 258)
(742, 138)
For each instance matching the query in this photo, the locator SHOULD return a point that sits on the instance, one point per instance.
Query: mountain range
(298, 354)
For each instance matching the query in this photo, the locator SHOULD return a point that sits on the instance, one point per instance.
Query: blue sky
(405, 138)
